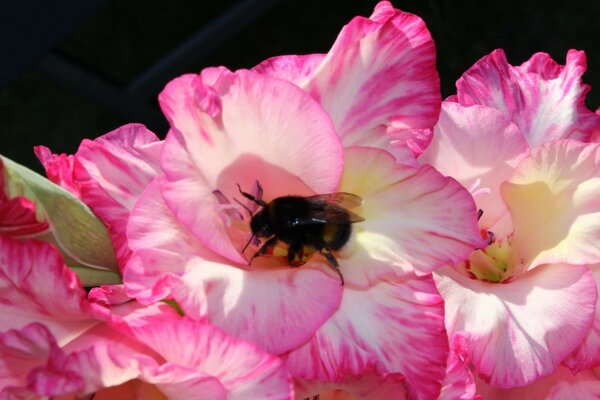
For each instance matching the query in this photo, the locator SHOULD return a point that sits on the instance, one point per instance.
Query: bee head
(261, 224)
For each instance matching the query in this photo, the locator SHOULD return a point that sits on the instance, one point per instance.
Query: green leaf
(78, 232)
(92, 277)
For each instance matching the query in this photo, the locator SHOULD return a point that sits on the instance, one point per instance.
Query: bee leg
(295, 255)
(263, 249)
(326, 252)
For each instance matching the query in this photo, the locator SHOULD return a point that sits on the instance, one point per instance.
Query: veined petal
(459, 383)
(518, 332)
(246, 133)
(545, 100)
(587, 355)
(562, 385)
(379, 82)
(243, 302)
(479, 147)
(161, 246)
(391, 327)
(296, 69)
(22, 350)
(112, 171)
(416, 220)
(36, 286)
(553, 201)
(244, 371)
(59, 169)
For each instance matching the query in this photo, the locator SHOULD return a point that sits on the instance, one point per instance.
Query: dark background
(77, 69)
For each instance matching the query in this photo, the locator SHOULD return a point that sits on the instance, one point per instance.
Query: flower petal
(518, 332)
(255, 128)
(296, 69)
(480, 148)
(22, 350)
(458, 384)
(392, 327)
(112, 171)
(562, 385)
(379, 81)
(243, 302)
(587, 355)
(545, 100)
(416, 220)
(59, 169)
(244, 370)
(35, 286)
(552, 199)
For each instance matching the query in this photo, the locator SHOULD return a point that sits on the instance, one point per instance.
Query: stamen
(479, 191)
(227, 211)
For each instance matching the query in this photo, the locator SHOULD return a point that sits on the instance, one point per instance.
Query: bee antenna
(243, 205)
(250, 197)
(248, 243)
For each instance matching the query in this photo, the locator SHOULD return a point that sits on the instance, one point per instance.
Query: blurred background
(72, 69)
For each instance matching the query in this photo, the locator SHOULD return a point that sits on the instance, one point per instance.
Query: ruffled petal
(479, 147)
(112, 171)
(243, 370)
(35, 286)
(518, 332)
(21, 351)
(459, 383)
(236, 128)
(243, 303)
(379, 82)
(587, 355)
(59, 169)
(296, 69)
(544, 99)
(392, 327)
(416, 220)
(553, 201)
(562, 385)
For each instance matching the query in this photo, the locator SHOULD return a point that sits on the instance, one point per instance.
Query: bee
(320, 223)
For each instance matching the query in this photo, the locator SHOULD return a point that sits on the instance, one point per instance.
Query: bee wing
(343, 199)
(330, 208)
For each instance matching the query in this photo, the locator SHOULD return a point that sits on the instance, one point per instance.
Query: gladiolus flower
(187, 230)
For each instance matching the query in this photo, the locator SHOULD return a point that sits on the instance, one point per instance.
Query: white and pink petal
(479, 147)
(389, 328)
(379, 82)
(519, 331)
(36, 286)
(587, 355)
(553, 201)
(562, 385)
(544, 99)
(416, 220)
(241, 368)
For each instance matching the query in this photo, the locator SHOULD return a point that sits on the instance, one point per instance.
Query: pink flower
(80, 347)
(321, 129)
(524, 303)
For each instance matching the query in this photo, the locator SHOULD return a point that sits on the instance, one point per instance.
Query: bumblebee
(320, 223)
